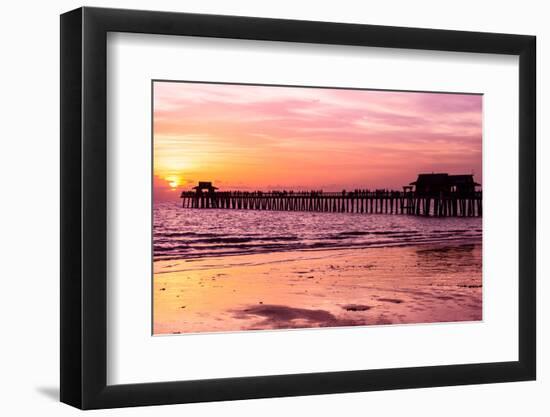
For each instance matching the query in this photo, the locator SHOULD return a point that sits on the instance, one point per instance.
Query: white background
(134, 356)
(29, 173)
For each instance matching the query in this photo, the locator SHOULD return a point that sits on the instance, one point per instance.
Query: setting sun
(173, 181)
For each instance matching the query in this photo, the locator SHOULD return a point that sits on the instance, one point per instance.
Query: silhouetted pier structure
(429, 201)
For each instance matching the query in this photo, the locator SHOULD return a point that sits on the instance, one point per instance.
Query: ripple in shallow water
(191, 233)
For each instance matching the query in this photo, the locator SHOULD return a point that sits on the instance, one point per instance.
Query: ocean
(183, 233)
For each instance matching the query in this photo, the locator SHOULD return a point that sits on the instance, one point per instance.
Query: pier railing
(450, 204)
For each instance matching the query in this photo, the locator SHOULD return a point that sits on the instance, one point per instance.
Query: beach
(401, 284)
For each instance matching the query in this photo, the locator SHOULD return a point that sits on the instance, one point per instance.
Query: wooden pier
(443, 204)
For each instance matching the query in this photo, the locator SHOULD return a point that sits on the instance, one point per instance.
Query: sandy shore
(331, 288)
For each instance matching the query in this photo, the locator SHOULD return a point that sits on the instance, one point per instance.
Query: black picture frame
(84, 207)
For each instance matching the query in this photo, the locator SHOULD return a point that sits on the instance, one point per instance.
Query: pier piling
(452, 204)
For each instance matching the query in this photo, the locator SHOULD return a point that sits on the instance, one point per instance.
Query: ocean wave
(189, 251)
(185, 233)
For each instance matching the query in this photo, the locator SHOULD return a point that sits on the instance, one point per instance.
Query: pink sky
(260, 137)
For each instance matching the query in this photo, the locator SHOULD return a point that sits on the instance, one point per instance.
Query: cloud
(260, 135)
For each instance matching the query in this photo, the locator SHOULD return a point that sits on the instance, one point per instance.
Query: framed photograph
(258, 208)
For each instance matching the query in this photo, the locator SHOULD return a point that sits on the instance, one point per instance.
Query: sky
(244, 137)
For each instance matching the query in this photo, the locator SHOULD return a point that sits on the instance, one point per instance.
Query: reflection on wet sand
(283, 317)
(310, 289)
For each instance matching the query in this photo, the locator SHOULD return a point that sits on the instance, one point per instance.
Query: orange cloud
(259, 137)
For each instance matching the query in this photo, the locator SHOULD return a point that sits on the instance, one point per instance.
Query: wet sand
(328, 288)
